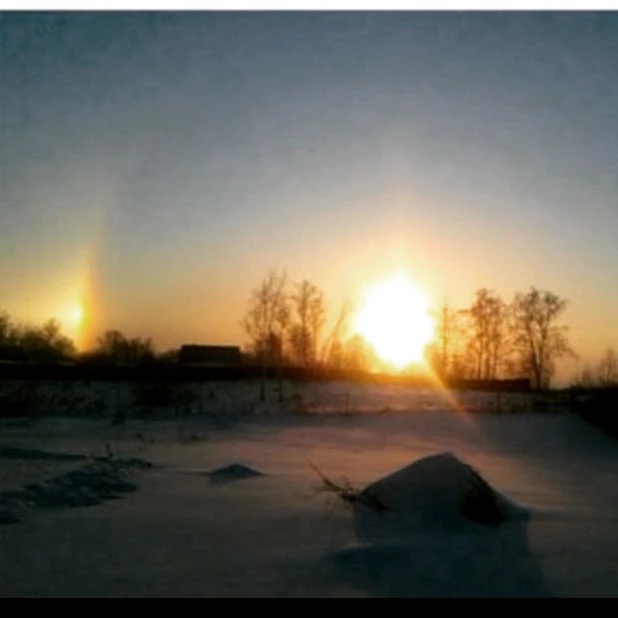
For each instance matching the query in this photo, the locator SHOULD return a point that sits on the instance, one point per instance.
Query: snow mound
(86, 486)
(89, 485)
(438, 491)
(233, 472)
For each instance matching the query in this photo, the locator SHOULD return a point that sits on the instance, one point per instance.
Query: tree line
(524, 337)
(42, 344)
(46, 344)
(603, 374)
(285, 323)
(493, 338)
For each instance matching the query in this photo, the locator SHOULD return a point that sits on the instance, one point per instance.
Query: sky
(155, 166)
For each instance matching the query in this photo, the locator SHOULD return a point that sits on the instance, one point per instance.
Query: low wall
(189, 373)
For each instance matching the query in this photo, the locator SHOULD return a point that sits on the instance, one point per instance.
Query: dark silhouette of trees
(8, 331)
(603, 375)
(443, 351)
(283, 317)
(493, 339)
(309, 315)
(332, 354)
(267, 304)
(607, 369)
(487, 327)
(41, 344)
(470, 343)
(46, 344)
(539, 338)
(114, 348)
(488, 340)
(585, 378)
(266, 322)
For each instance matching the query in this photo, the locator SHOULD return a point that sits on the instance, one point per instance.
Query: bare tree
(358, 354)
(585, 378)
(603, 375)
(487, 325)
(282, 323)
(607, 369)
(448, 332)
(539, 338)
(462, 365)
(332, 348)
(8, 331)
(266, 321)
(309, 316)
(114, 347)
(499, 339)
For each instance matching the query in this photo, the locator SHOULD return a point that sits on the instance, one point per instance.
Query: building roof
(210, 354)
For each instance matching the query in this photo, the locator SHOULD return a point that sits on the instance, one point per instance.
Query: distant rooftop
(210, 355)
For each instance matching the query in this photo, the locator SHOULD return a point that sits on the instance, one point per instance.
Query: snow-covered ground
(181, 534)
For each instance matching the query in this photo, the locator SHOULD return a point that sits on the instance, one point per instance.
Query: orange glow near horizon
(71, 319)
(394, 318)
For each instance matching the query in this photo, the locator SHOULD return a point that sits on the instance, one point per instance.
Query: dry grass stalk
(347, 493)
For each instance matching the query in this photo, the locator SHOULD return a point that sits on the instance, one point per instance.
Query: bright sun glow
(394, 318)
(75, 315)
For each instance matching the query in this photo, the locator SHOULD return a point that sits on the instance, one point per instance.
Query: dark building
(210, 355)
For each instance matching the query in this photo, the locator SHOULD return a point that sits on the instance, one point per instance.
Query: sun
(75, 314)
(394, 318)
(71, 316)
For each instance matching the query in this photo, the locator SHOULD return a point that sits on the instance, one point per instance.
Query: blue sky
(161, 163)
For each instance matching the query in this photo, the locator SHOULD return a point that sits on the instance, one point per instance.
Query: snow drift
(233, 472)
(438, 491)
(442, 531)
